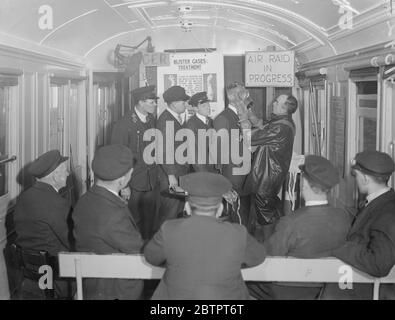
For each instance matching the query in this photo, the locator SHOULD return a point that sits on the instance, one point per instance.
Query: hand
(126, 193)
(173, 182)
(230, 196)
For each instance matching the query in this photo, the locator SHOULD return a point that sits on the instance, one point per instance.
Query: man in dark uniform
(310, 232)
(41, 213)
(129, 131)
(201, 121)
(229, 120)
(170, 121)
(271, 160)
(203, 255)
(103, 223)
(370, 245)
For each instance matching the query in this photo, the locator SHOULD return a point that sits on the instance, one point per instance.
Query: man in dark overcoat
(103, 223)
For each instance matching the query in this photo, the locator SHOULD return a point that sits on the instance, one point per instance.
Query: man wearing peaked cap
(129, 131)
(103, 223)
(201, 121)
(169, 122)
(202, 254)
(310, 232)
(41, 213)
(370, 245)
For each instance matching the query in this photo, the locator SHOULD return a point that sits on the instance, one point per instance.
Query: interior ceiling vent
(184, 9)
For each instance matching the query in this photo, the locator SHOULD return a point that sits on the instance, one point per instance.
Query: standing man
(41, 213)
(202, 254)
(201, 121)
(129, 131)
(170, 121)
(370, 245)
(103, 223)
(229, 121)
(271, 160)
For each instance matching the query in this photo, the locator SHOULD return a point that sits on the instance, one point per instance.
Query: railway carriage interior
(68, 69)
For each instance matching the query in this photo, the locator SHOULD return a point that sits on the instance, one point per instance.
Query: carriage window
(56, 113)
(367, 115)
(4, 126)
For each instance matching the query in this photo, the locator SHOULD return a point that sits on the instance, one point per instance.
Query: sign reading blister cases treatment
(269, 69)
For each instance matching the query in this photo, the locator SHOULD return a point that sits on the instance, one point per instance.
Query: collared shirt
(312, 203)
(141, 116)
(232, 108)
(203, 118)
(176, 115)
(377, 194)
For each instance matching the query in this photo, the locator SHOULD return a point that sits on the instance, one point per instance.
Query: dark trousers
(240, 213)
(170, 207)
(143, 206)
(275, 291)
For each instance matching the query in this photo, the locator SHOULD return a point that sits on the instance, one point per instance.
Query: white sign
(269, 69)
(195, 72)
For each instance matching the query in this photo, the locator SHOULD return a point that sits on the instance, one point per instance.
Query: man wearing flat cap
(370, 245)
(203, 255)
(41, 213)
(103, 223)
(170, 121)
(201, 121)
(310, 232)
(129, 131)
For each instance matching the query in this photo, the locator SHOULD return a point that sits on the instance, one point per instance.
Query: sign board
(269, 69)
(156, 59)
(195, 72)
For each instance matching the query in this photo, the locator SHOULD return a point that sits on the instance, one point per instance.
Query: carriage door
(8, 164)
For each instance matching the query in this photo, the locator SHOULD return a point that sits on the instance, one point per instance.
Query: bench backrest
(276, 269)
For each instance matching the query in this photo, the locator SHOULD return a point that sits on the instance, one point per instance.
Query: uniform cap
(198, 98)
(205, 188)
(175, 93)
(144, 93)
(46, 163)
(374, 163)
(112, 162)
(320, 171)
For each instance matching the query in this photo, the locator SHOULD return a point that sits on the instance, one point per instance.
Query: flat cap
(320, 171)
(374, 163)
(46, 163)
(205, 188)
(175, 93)
(198, 98)
(144, 93)
(112, 162)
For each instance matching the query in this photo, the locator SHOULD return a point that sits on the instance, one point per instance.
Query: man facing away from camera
(310, 232)
(202, 254)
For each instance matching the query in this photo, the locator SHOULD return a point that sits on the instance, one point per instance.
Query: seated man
(103, 223)
(203, 255)
(370, 245)
(310, 232)
(41, 213)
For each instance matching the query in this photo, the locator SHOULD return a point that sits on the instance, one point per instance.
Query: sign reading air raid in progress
(269, 69)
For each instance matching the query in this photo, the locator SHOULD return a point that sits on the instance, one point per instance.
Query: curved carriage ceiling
(310, 27)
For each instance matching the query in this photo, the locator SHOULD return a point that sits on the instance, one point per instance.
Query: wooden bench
(273, 269)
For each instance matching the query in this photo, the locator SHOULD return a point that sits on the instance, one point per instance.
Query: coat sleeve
(120, 134)
(377, 256)
(255, 252)
(269, 135)
(154, 251)
(122, 235)
(220, 123)
(280, 242)
(58, 223)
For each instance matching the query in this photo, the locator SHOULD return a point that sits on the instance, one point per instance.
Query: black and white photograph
(197, 157)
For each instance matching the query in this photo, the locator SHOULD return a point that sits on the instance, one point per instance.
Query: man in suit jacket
(103, 223)
(169, 122)
(41, 213)
(370, 245)
(201, 121)
(229, 121)
(203, 255)
(310, 232)
(129, 131)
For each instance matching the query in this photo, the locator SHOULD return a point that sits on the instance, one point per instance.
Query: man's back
(41, 219)
(203, 258)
